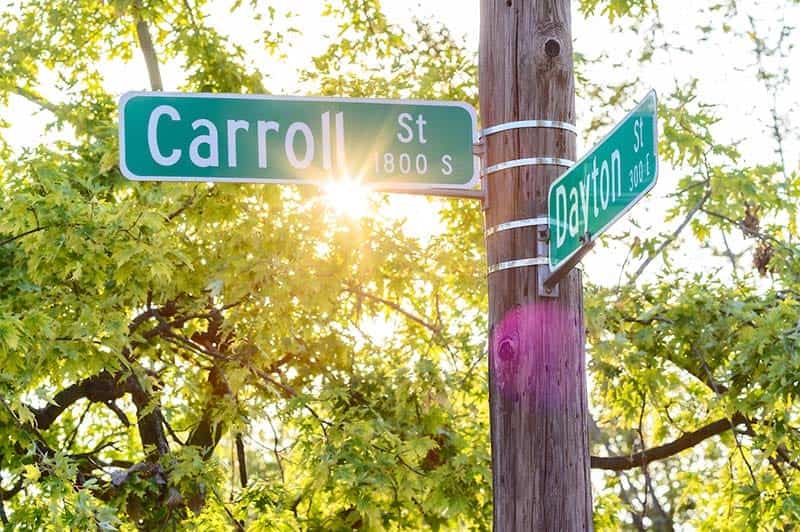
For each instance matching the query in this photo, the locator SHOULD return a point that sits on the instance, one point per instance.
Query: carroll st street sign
(247, 138)
(605, 183)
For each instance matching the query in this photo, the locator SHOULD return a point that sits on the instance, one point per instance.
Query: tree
(692, 357)
(240, 356)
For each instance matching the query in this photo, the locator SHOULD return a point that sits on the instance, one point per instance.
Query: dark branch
(123, 418)
(22, 235)
(7, 494)
(209, 431)
(104, 445)
(149, 420)
(749, 230)
(240, 455)
(688, 440)
(289, 393)
(186, 204)
(173, 434)
(100, 388)
(71, 439)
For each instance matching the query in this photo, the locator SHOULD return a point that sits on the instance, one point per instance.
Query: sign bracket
(549, 284)
(464, 193)
(544, 272)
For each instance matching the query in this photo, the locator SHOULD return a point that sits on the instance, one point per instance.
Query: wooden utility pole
(537, 379)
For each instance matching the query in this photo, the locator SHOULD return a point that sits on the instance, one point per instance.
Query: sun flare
(347, 197)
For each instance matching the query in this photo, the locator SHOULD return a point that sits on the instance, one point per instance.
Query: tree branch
(394, 306)
(149, 420)
(118, 412)
(208, 431)
(100, 388)
(241, 458)
(289, 393)
(149, 52)
(185, 205)
(672, 237)
(758, 234)
(36, 99)
(7, 494)
(645, 472)
(688, 440)
(173, 433)
(74, 434)
(704, 377)
(275, 450)
(22, 235)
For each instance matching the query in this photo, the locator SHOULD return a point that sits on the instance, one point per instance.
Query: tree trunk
(537, 379)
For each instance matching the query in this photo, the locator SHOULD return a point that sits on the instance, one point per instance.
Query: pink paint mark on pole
(525, 350)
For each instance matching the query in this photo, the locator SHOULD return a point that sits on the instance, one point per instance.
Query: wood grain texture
(537, 376)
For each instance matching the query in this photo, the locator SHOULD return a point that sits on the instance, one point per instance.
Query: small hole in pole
(552, 48)
(506, 350)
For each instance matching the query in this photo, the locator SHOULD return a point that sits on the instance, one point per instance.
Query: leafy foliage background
(157, 337)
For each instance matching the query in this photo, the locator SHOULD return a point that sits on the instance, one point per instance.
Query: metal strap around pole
(514, 224)
(519, 263)
(550, 124)
(530, 161)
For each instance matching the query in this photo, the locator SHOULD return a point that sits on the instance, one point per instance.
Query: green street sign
(605, 183)
(247, 138)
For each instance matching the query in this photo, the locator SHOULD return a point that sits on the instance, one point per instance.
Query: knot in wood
(552, 48)
(506, 350)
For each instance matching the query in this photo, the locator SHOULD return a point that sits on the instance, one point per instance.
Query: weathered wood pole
(537, 379)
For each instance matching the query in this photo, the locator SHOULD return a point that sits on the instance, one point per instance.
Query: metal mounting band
(514, 224)
(530, 161)
(519, 263)
(550, 124)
